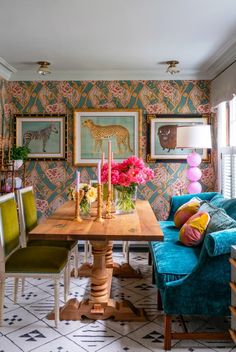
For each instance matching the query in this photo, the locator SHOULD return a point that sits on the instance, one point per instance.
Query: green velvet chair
(28, 262)
(28, 220)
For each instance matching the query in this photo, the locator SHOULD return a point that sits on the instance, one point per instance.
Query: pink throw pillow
(192, 232)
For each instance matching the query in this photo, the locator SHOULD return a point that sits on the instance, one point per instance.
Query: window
(227, 147)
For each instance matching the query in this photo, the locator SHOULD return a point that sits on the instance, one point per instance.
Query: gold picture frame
(93, 128)
(158, 149)
(45, 135)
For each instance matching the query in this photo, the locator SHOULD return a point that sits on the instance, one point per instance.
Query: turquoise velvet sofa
(193, 280)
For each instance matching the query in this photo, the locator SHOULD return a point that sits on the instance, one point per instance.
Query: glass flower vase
(85, 208)
(125, 198)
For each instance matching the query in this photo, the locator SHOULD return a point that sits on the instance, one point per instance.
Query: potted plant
(19, 155)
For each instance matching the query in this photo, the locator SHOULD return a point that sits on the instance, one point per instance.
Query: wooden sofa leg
(159, 301)
(167, 332)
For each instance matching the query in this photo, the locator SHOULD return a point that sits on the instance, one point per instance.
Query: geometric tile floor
(26, 328)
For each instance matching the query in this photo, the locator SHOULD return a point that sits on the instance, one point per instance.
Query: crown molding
(222, 59)
(6, 69)
(108, 75)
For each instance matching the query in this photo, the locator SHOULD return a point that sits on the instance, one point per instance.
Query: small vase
(85, 208)
(125, 198)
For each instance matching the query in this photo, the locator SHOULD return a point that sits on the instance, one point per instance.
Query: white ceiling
(116, 39)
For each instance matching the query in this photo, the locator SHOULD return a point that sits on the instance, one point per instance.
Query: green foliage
(18, 153)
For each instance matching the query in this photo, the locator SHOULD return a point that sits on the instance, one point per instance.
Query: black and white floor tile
(26, 327)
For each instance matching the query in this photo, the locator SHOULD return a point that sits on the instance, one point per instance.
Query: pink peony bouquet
(125, 177)
(131, 172)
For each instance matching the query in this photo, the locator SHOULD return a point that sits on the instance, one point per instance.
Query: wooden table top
(138, 226)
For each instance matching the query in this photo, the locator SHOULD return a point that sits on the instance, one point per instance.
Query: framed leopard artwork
(94, 128)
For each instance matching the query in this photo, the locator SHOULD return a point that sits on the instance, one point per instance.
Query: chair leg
(167, 332)
(89, 249)
(66, 282)
(85, 251)
(124, 248)
(68, 274)
(76, 261)
(127, 252)
(16, 285)
(2, 294)
(56, 301)
(22, 285)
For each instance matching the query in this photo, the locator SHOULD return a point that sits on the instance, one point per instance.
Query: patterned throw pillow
(208, 207)
(186, 210)
(192, 232)
(220, 221)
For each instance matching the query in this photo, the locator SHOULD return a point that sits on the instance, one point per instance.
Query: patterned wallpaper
(52, 179)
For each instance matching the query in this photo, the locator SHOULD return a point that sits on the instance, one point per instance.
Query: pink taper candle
(77, 180)
(109, 165)
(99, 172)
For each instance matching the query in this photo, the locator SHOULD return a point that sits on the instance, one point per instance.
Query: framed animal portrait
(162, 137)
(94, 128)
(44, 135)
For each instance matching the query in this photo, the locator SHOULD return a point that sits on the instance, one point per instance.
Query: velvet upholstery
(217, 200)
(10, 226)
(220, 242)
(69, 245)
(193, 280)
(30, 260)
(30, 211)
(229, 205)
(30, 216)
(174, 261)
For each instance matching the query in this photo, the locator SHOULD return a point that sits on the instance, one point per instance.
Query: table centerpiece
(89, 196)
(125, 177)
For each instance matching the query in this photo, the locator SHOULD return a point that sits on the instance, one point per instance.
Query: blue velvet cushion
(217, 200)
(172, 261)
(220, 221)
(229, 205)
(171, 233)
(220, 242)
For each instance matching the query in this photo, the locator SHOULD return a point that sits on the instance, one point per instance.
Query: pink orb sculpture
(194, 174)
(194, 159)
(194, 187)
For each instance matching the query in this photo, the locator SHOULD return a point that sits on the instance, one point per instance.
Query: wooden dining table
(138, 226)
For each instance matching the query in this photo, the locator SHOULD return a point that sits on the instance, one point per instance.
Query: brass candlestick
(79, 195)
(99, 204)
(108, 214)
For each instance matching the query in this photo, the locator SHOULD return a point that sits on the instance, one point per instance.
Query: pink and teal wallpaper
(51, 179)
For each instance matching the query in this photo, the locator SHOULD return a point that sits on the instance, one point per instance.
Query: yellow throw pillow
(186, 211)
(192, 232)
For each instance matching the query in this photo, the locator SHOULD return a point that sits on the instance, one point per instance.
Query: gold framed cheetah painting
(93, 128)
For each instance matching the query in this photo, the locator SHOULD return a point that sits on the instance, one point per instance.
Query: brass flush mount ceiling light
(172, 69)
(43, 68)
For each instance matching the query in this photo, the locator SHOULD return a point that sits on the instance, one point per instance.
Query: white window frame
(227, 162)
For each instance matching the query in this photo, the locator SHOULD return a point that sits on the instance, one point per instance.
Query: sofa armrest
(220, 242)
(177, 201)
(204, 291)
